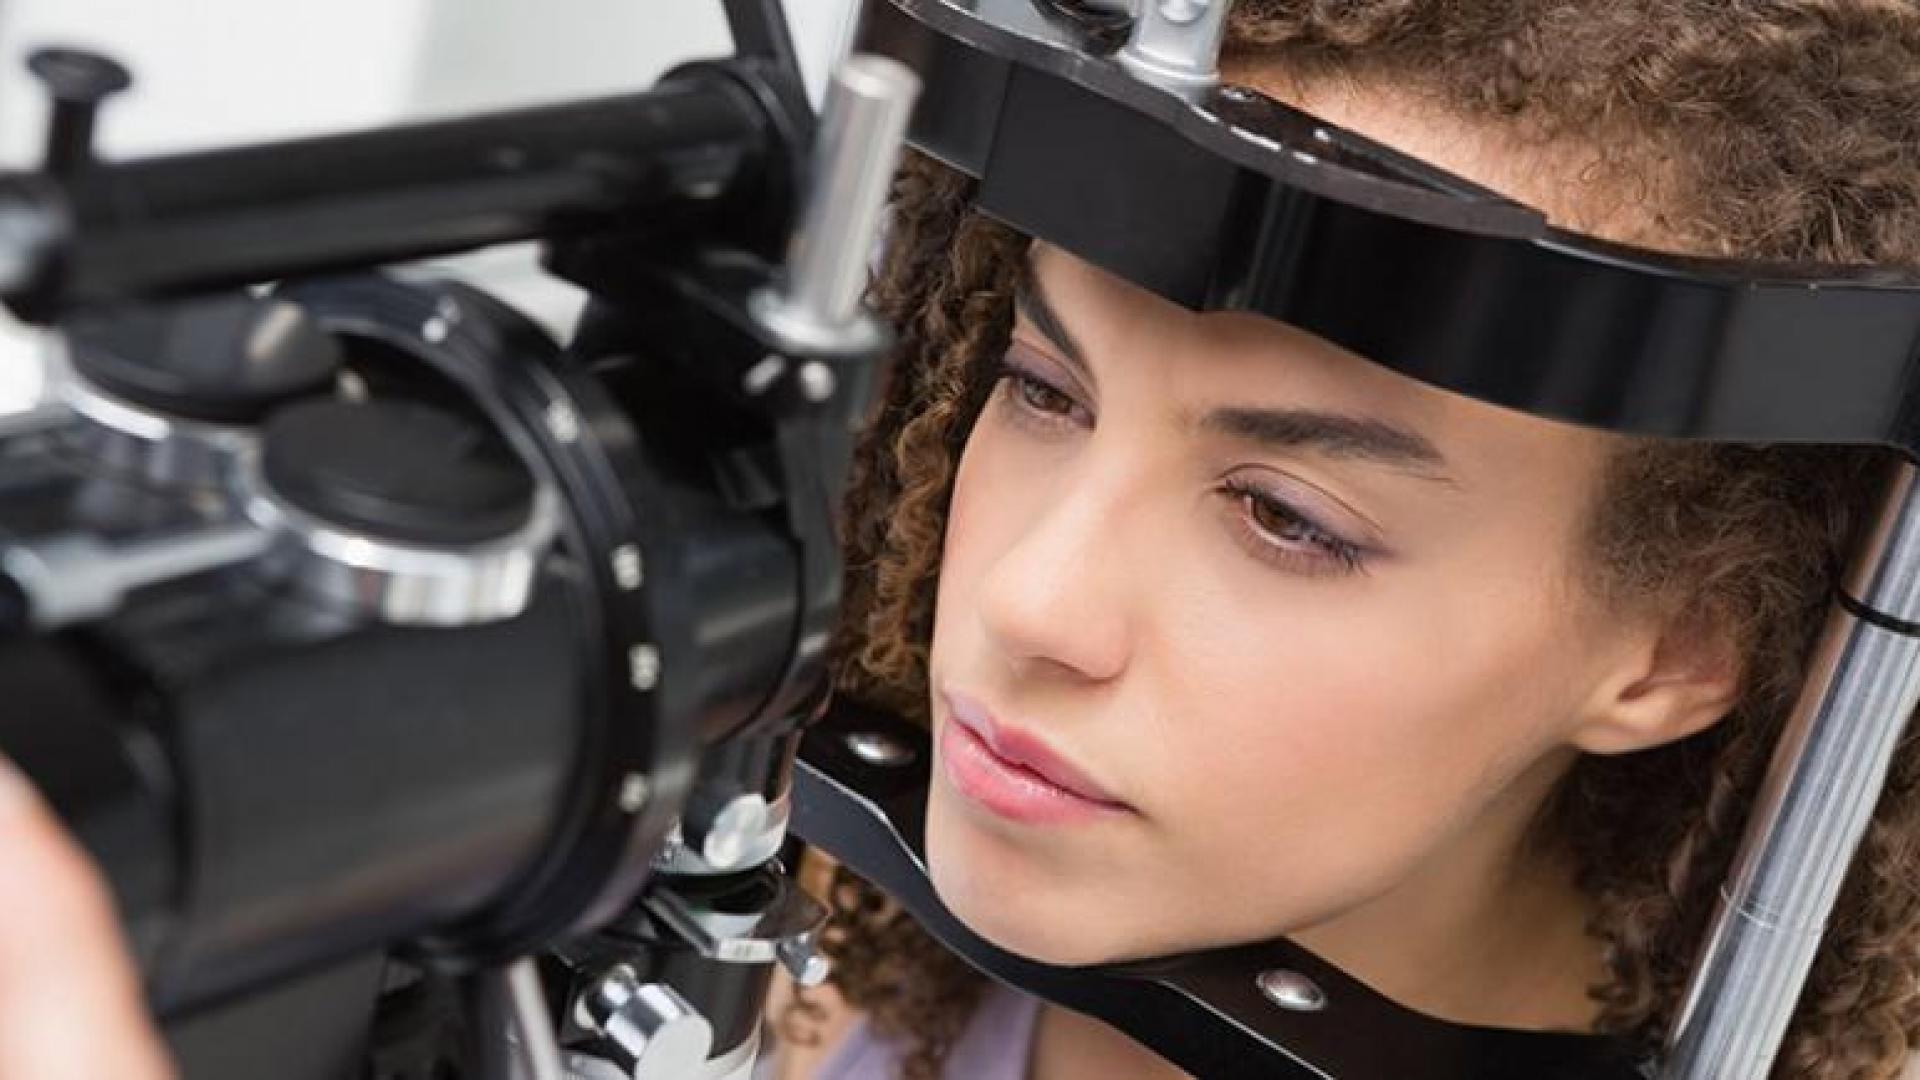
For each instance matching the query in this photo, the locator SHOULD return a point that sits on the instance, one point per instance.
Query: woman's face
(1305, 628)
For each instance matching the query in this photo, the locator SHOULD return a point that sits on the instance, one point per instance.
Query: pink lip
(1014, 773)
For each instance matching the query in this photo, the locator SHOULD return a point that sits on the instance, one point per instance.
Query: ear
(1666, 681)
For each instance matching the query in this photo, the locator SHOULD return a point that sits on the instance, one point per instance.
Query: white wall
(221, 72)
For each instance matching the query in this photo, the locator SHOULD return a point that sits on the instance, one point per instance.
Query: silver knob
(659, 1035)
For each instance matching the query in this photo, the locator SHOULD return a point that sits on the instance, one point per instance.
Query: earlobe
(1679, 682)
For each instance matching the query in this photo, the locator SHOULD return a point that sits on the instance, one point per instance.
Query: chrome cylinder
(862, 128)
(1811, 812)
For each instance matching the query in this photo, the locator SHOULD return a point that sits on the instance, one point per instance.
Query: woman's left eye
(1276, 532)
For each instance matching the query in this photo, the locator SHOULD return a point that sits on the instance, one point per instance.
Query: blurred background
(211, 73)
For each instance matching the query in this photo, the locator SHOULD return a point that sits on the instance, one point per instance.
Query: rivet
(1292, 990)
(634, 790)
(435, 330)
(879, 750)
(626, 567)
(643, 667)
(562, 423)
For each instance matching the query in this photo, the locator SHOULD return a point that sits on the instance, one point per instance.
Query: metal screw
(626, 567)
(880, 750)
(643, 667)
(634, 791)
(1292, 990)
(435, 330)
(817, 381)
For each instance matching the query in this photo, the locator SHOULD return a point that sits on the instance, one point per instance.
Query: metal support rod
(862, 128)
(1811, 812)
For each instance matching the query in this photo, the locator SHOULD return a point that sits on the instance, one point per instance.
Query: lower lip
(1008, 789)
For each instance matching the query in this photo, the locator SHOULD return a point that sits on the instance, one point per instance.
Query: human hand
(71, 1007)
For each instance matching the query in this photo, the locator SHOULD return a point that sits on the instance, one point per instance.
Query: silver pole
(1811, 811)
(863, 127)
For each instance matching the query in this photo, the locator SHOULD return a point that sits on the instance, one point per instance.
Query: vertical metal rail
(1811, 812)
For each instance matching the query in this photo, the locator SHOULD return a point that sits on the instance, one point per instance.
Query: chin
(1002, 892)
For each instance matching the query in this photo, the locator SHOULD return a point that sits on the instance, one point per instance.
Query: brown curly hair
(1772, 129)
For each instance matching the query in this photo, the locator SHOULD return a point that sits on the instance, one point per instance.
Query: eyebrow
(1335, 435)
(1031, 302)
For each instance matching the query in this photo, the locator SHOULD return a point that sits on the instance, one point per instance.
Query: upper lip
(1025, 749)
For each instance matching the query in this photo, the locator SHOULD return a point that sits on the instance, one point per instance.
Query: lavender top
(994, 1046)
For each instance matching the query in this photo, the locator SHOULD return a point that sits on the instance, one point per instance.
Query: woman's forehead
(1243, 358)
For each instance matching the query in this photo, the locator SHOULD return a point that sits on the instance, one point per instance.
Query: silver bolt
(634, 791)
(764, 374)
(447, 308)
(880, 750)
(562, 423)
(1305, 158)
(435, 330)
(817, 381)
(626, 567)
(1292, 990)
(643, 667)
(1321, 134)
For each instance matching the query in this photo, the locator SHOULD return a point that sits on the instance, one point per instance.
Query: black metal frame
(1235, 201)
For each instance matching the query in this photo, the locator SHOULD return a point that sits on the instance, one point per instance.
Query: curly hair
(1769, 129)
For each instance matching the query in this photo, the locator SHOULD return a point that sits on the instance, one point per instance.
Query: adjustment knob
(401, 510)
(654, 1032)
(397, 470)
(224, 359)
(77, 81)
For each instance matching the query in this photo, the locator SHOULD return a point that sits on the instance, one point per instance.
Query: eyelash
(1315, 551)
(1329, 552)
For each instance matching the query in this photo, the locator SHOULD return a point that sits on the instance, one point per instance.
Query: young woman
(1468, 702)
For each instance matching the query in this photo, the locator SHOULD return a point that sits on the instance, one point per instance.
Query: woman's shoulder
(833, 1042)
(799, 1044)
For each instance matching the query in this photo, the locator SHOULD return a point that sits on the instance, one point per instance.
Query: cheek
(1350, 736)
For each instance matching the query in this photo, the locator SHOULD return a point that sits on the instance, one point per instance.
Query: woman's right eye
(1034, 400)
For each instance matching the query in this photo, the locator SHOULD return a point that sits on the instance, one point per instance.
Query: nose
(1058, 595)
